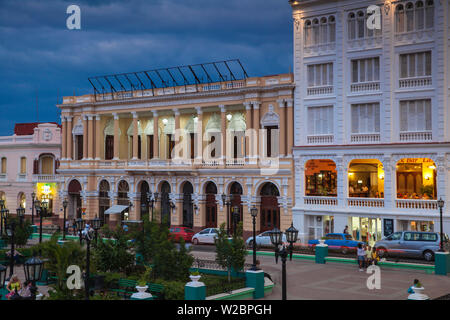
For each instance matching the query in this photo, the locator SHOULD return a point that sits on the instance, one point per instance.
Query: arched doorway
(270, 211)
(165, 203)
(21, 200)
(74, 190)
(103, 200)
(122, 197)
(235, 192)
(211, 205)
(145, 189)
(188, 210)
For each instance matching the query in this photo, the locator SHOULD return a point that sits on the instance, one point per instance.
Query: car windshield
(348, 237)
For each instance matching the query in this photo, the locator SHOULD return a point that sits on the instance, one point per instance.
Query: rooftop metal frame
(203, 73)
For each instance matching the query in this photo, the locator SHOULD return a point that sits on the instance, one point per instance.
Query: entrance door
(270, 210)
(211, 205)
(188, 211)
(236, 191)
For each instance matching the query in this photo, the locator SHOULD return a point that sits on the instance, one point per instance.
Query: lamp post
(42, 211)
(65, 203)
(20, 214)
(96, 225)
(33, 196)
(2, 277)
(276, 237)
(88, 236)
(33, 272)
(172, 207)
(254, 213)
(228, 204)
(2, 208)
(154, 201)
(235, 219)
(441, 205)
(80, 223)
(11, 230)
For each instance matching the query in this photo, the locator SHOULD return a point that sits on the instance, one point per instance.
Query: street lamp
(154, 201)
(43, 212)
(11, 230)
(33, 196)
(33, 272)
(228, 204)
(65, 203)
(88, 236)
(80, 224)
(254, 213)
(276, 237)
(441, 203)
(172, 207)
(20, 214)
(96, 225)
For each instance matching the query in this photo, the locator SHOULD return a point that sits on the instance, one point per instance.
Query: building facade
(372, 121)
(29, 160)
(190, 144)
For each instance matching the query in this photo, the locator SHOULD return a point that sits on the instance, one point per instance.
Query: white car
(263, 239)
(205, 236)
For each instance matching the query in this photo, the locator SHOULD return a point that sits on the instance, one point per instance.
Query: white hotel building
(372, 121)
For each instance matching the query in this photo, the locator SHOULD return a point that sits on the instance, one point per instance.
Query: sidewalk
(307, 280)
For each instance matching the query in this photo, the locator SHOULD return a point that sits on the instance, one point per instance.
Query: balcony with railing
(320, 139)
(44, 178)
(320, 90)
(365, 138)
(365, 202)
(415, 82)
(416, 204)
(360, 87)
(416, 136)
(320, 201)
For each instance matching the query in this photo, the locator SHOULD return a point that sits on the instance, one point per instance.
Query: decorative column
(98, 138)
(282, 128)
(342, 182)
(256, 126)
(64, 138)
(85, 137)
(223, 131)
(135, 136)
(69, 137)
(155, 135)
(91, 136)
(389, 182)
(249, 126)
(289, 123)
(116, 137)
(199, 140)
(177, 134)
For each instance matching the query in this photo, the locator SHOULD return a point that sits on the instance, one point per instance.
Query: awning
(116, 209)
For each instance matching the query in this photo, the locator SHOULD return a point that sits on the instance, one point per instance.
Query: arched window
(414, 16)
(351, 25)
(323, 30)
(315, 32)
(332, 29)
(308, 31)
(409, 17)
(420, 15)
(103, 199)
(361, 23)
(399, 18)
(77, 133)
(429, 18)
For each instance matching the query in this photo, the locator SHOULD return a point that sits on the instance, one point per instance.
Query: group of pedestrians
(17, 291)
(366, 256)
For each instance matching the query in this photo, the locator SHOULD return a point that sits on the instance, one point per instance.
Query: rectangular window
(415, 115)
(366, 70)
(320, 75)
(23, 165)
(150, 146)
(366, 118)
(415, 64)
(3, 166)
(320, 120)
(109, 147)
(79, 147)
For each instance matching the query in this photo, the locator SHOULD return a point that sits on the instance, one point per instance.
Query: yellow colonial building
(190, 135)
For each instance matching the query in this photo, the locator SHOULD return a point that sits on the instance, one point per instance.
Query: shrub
(173, 290)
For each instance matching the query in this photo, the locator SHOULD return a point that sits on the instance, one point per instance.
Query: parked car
(411, 244)
(205, 236)
(262, 239)
(337, 241)
(181, 232)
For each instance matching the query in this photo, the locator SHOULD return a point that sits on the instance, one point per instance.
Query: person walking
(361, 254)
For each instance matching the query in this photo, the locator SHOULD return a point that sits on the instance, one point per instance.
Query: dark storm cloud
(39, 54)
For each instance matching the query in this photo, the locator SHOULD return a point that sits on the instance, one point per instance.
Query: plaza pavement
(307, 280)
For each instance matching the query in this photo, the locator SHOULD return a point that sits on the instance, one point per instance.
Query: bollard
(321, 253)
(255, 279)
(195, 290)
(442, 263)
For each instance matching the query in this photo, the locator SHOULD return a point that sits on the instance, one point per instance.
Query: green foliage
(60, 257)
(230, 254)
(145, 277)
(55, 293)
(173, 290)
(113, 256)
(21, 234)
(429, 190)
(216, 284)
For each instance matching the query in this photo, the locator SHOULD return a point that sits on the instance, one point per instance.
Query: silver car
(411, 244)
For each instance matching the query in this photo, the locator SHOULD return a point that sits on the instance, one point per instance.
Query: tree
(230, 253)
(21, 233)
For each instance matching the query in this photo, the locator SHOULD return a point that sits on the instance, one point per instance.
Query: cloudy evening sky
(38, 54)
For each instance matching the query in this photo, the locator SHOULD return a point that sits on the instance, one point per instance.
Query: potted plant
(195, 276)
(142, 282)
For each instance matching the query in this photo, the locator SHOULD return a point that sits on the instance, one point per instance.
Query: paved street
(307, 280)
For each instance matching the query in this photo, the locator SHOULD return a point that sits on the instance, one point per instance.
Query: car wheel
(250, 244)
(195, 241)
(382, 252)
(428, 255)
